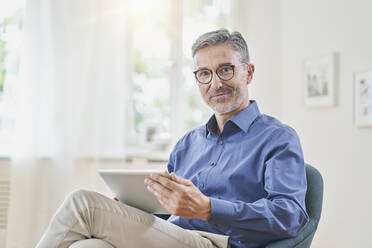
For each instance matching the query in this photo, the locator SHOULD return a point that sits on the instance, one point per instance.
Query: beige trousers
(86, 214)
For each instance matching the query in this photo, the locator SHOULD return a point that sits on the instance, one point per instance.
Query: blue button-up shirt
(254, 174)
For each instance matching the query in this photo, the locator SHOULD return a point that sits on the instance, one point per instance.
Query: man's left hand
(179, 196)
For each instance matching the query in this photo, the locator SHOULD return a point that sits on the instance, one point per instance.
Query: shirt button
(211, 163)
(201, 185)
(220, 142)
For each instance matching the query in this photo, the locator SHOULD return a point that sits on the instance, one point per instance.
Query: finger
(149, 188)
(162, 198)
(181, 180)
(165, 182)
(166, 174)
(166, 205)
(157, 188)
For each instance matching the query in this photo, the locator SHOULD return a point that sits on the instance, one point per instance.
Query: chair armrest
(307, 231)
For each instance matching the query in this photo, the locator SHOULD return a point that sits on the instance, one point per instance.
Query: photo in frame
(319, 81)
(363, 98)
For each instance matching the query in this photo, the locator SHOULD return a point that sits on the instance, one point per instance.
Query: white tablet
(128, 186)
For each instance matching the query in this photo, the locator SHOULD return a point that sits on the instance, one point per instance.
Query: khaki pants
(86, 214)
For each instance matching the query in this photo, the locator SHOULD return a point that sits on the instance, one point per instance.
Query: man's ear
(250, 71)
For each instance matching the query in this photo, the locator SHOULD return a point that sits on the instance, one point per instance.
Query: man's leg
(85, 214)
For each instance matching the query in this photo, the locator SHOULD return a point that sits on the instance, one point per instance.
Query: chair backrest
(314, 202)
(314, 194)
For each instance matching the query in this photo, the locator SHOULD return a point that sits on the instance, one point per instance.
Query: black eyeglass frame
(216, 71)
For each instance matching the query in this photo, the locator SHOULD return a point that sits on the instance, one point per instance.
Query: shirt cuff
(221, 211)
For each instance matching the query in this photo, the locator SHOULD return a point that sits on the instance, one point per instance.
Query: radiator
(4, 202)
(4, 199)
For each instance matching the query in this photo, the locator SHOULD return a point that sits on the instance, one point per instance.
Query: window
(11, 25)
(151, 41)
(165, 100)
(199, 17)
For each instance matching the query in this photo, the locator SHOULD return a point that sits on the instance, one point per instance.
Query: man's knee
(79, 193)
(81, 197)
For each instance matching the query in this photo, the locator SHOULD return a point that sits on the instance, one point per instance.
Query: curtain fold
(70, 105)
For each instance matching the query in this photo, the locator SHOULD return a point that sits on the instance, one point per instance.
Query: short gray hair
(235, 39)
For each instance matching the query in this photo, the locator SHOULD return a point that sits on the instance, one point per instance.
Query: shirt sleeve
(172, 156)
(282, 212)
(170, 165)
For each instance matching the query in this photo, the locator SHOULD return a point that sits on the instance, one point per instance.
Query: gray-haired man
(238, 179)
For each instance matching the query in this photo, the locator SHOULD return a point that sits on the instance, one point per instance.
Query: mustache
(220, 91)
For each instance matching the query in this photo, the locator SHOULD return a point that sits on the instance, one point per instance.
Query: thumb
(180, 180)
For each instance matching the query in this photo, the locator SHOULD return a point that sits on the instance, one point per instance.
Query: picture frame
(363, 98)
(319, 81)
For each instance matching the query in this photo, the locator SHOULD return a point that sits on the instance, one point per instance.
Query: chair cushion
(91, 243)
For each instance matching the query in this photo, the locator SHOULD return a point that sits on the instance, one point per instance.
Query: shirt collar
(243, 119)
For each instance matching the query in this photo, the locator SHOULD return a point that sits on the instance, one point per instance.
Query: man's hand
(179, 196)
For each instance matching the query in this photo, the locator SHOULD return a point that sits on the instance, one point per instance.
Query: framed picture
(319, 81)
(363, 98)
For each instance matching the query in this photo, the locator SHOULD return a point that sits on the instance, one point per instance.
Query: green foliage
(140, 65)
(3, 53)
(2, 79)
(139, 117)
(15, 19)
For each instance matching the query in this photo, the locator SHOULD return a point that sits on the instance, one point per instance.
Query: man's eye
(224, 70)
(204, 73)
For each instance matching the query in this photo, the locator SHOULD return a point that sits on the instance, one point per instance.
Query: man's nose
(216, 82)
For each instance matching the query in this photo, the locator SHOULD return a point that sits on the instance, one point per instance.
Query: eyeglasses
(224, 72)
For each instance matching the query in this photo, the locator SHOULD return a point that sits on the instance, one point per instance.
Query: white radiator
(4, 202)
(4, 199)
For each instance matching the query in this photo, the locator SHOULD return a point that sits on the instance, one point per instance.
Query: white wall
(301, 29)
(259, 22)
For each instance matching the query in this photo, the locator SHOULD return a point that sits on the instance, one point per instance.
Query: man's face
(224, 96)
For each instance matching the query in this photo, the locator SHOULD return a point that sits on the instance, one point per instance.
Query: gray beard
(228, 110)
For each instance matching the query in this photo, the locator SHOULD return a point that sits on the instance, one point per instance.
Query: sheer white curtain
(71, 106)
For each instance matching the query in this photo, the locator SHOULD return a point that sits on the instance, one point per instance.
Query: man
(239, 180)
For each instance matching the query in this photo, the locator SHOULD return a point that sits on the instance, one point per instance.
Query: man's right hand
(179, 196)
